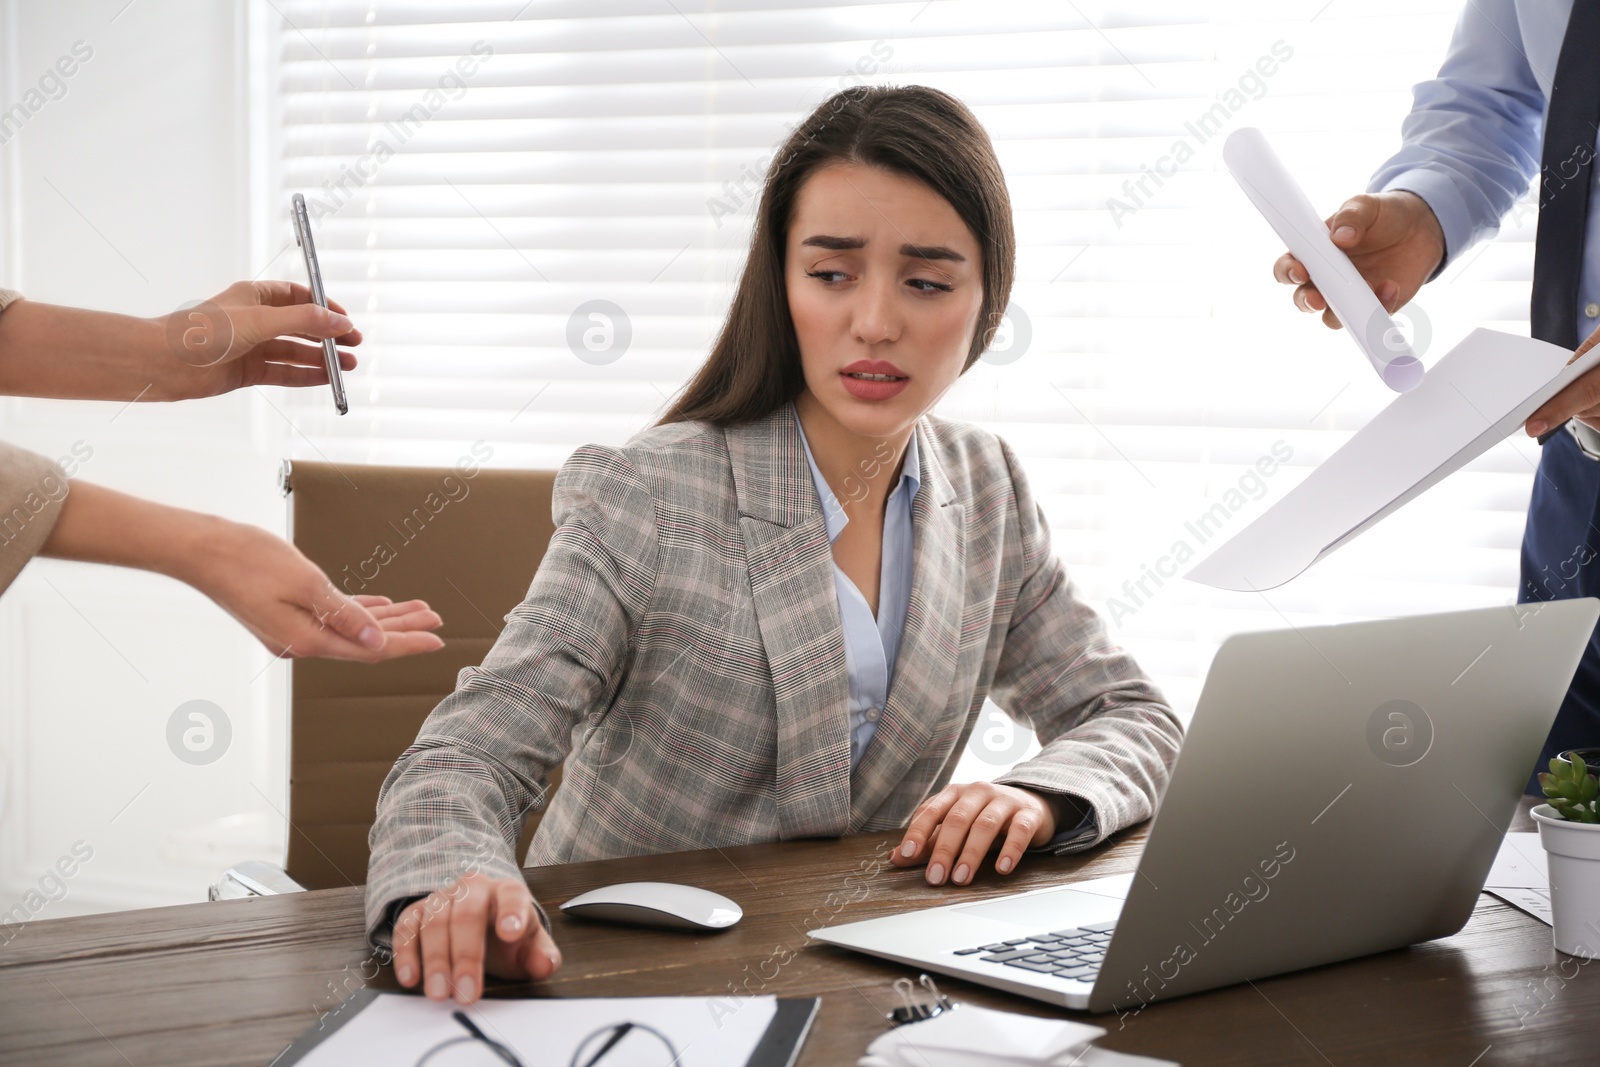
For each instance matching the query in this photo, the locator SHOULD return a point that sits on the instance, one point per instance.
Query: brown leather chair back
(469, 546)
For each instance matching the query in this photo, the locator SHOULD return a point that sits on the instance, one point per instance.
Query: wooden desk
(235, 982)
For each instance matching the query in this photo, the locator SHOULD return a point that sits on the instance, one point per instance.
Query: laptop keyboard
(1075, 954)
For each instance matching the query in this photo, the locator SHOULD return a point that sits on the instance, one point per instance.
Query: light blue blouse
(871, 646)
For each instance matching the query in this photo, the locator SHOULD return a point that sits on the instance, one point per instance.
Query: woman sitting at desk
(777, 613)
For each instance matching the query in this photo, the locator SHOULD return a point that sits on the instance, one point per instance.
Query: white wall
(130, 193)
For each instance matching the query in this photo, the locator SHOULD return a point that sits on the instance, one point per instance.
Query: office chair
(469, 546)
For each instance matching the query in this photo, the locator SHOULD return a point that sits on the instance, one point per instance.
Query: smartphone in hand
(330, 351)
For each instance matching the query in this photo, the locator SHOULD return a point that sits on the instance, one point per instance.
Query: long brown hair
(913, 130)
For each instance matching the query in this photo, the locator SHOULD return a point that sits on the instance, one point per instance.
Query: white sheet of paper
(1520, 864)
(397, 1029)
(1535, 902)
(1281, 201)
(1479, 393)
(974, 1031)
(1104, 1057)
(971, 1035)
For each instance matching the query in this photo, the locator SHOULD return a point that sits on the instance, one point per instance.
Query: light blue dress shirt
(871, 646)
(1474, 139)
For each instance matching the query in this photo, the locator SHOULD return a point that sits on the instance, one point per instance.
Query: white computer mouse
(661, 904)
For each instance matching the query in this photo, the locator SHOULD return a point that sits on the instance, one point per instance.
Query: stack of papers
(969, 1036)
(1520, 876)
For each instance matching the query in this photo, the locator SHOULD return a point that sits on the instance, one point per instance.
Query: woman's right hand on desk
(449, 939)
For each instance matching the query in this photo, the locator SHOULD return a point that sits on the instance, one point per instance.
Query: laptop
(1342, 790)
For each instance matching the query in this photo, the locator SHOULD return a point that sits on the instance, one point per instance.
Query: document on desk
(393, 1028)
(1520, 876)
(1479, 393)
(972, 1036)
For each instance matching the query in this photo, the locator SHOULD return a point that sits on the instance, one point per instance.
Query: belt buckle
(1587, 437)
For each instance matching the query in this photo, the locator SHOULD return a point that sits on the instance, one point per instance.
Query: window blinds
(536, 212)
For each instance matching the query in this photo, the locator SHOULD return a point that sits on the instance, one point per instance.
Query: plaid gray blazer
(680, 648)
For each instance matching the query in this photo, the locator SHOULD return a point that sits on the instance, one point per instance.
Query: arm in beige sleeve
(32, 489)
(260, 579)
(1109, 737)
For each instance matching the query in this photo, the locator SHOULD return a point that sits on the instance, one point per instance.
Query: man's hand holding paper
(1395, 241)
(1473, 397)
(1580, 400)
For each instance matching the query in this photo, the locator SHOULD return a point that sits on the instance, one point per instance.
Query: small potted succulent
(1569, 830)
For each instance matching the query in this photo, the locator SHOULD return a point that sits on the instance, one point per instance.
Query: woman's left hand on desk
(954, 829)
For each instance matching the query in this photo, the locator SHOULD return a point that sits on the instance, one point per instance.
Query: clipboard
(778, 1045)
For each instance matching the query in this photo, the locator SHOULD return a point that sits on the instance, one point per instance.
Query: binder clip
(911, 1011)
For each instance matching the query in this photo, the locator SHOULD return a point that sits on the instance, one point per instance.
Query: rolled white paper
(1279, 198)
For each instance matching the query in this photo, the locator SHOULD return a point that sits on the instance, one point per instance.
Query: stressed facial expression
(884, 282)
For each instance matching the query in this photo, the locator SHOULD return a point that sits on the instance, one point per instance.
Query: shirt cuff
(1076, 825)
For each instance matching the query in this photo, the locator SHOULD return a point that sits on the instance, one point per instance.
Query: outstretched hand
(294, 610)
(253, 333)
(260, 579)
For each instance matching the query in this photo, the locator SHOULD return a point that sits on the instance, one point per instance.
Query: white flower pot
(1572, 850)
